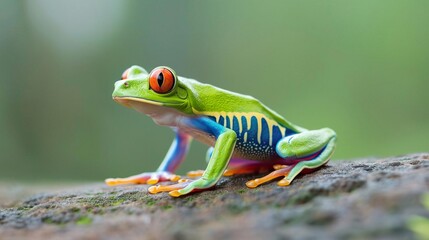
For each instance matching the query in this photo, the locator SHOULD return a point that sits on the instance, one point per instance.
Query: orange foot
(184, 187)
(172, 189)
(144, 178)
(280, 170)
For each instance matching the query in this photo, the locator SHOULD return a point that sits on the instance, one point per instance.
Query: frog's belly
(254, 151)
(198, 135)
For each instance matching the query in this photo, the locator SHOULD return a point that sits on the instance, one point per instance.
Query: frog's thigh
(304, 144)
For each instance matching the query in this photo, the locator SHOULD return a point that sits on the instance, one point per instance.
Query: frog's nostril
(126, 84)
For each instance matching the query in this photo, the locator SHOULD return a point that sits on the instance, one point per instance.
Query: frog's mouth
(141, 103)
(126, 101)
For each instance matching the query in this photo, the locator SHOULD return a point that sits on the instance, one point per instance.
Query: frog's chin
(160, 113)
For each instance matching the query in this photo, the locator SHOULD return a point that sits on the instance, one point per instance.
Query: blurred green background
(361, 68)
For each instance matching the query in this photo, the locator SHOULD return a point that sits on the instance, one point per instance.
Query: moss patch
(84, 220)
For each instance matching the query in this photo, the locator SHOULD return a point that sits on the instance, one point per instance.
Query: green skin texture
(190, 98)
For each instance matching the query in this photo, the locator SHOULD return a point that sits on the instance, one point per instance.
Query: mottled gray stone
(359, 199)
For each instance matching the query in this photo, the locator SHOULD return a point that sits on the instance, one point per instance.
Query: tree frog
(244, 135)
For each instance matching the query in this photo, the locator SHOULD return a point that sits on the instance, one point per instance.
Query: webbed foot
(144, 178)
(184, 187)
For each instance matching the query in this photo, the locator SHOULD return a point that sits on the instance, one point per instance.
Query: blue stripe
(253, 131)
(235, 125)
(227, 122)
(212, 118)
(244, 123)
(277, 134)
(221, 119)
(265, 134)
(289, 132)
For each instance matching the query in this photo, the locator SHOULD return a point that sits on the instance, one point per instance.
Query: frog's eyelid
(125, 74)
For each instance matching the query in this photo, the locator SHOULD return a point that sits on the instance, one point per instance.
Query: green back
(208, 98)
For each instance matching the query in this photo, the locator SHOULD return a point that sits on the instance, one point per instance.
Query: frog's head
(147, 92)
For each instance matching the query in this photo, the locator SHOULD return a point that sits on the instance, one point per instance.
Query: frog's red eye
(161, 80)
(125, 74)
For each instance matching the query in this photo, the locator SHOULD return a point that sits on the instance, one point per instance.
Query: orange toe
(167, 188)
(175, 193)
(152, 181)
(283, 183)
(196, 173)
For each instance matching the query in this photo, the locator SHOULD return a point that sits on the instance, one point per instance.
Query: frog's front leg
(175, 155)
(307, 150)
(223, 149)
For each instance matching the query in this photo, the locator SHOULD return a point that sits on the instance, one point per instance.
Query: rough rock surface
(360, 199)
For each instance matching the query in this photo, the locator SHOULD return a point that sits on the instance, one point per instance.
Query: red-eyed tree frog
(244, 135)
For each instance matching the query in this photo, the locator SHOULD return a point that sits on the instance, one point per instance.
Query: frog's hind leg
(309, 150)
(303, 144)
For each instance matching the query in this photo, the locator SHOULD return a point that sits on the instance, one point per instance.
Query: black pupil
(160, 79)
